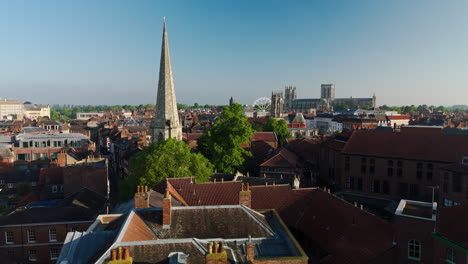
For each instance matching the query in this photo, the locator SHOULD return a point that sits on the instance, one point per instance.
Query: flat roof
(417, 209)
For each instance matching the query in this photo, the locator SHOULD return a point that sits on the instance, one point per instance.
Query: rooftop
(417, 209)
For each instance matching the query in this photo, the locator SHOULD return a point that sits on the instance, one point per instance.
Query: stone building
(166, 124)
(34, 111)
(327, 101)
(277, 104)
(289, 95)
(11, 109)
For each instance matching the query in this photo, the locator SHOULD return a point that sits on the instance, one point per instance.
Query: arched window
(414, 250)
(451, 256)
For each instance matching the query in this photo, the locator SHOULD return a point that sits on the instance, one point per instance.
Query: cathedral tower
(166, 124)
(277, 103)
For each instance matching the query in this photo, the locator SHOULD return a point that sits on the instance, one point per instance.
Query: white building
(11, 109)
(33, 111)
(86, 116)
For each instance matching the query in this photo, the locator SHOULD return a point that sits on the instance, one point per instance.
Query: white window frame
(10, 185)
(2, 181)
(7, 241)
(32, 236)
(54, 188)
(32, 255)
(33, 184)
(53, 235)
(54, 253)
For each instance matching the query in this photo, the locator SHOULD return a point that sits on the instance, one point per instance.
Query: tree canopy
(166, 159)
(222, 143)
(280, 127)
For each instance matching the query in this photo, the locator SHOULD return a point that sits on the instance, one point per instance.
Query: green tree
(54, 115)
(166, 159)
(222, 143)
(181, 106)
(280, 128)
(341, 107)
(257, 126)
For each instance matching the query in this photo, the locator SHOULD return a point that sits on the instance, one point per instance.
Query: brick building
(395, 165)
(37, 234)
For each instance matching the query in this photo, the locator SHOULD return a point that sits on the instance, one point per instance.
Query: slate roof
(47, 214)
(299, 118)
(206, 223)
(419, 146)
(17, 175)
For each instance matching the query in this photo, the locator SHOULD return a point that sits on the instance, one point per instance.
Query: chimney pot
(215, 250)
(113, 254)
(210, 248)
(119, 253)
(221, 247)
(355, 204)
(362, 207)
(126, 253)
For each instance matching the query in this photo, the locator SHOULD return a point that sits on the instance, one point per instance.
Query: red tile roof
(399, 117)
(451, 224)
(265, 136)
(419, 146)
(284, 159)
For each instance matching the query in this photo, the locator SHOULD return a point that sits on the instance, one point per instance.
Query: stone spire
(166, 124)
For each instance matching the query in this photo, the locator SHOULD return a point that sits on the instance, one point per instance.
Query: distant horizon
(107, 52)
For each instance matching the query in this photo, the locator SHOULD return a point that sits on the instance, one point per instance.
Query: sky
(107, 52)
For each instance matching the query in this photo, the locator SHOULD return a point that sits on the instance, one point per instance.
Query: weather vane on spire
(164, 18)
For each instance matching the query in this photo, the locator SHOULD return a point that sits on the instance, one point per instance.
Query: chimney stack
(249, 250)
(245, 196)
(120, 256)
(142, 197)
(216, 254)
(167, 210)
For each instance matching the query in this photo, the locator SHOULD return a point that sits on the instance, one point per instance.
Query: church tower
(166, 124)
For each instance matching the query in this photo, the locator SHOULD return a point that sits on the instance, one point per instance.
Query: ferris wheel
(262, 104)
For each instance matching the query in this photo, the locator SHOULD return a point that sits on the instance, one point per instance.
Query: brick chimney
(142, 197)
(120, 256)
(245, 196)
(249, 250)
(166, 204)
(62, 158)
(216, 254)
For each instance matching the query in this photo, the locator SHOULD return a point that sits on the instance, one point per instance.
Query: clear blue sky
(107, 52)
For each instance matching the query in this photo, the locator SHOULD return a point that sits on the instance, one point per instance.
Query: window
(53, 253)
(53, 235)
(73, 229)
(35, 156)
(347, 164)
(451, 256)
(359, 184)
(389, 172)
(2, 181)
(448, 202)
(53, 156)
(430, 169)
(456, 182)
(33, 184)
(363, 165)
(419, 168)
(399, 172)
(9, 237)
(24, 157)
(390, 163)
(385, 187)
(31, 236)
(414, 191)
(43, 156)
(375, 186)
(54, 188)
(414, 250)
(446, 182)
(372, 166)
(32, 255)
(10, 185)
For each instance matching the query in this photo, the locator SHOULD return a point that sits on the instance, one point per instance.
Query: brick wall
(20, 246)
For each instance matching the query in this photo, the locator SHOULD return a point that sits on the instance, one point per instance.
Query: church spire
(166, 124)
